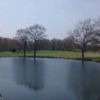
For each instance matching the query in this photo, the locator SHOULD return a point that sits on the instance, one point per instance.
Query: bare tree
(22, 36)
(97, 31)
(37, 32)
(82, 34)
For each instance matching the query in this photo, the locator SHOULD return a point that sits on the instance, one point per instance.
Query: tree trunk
(83, 55)
(35, 49)
(25, 52)
(25, 49)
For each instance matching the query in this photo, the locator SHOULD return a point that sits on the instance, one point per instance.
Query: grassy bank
(91, 56)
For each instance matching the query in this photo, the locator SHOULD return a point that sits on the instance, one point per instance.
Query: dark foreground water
(49, 79)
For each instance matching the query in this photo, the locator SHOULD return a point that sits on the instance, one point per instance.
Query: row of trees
(7, 44)
(85, 36)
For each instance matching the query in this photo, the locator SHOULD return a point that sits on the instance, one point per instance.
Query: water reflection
(29, 73)
(84, 81)
(63, 79)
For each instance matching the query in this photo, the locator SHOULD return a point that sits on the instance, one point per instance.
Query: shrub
(13, 50)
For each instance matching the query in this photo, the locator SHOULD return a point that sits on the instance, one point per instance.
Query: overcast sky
(57, 16)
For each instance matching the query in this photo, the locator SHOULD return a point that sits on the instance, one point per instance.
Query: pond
(49, 79)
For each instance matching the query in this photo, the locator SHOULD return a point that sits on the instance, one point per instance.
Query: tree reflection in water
(83, 81)
(29, 73)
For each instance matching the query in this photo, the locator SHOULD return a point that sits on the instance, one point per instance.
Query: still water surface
(49, 79)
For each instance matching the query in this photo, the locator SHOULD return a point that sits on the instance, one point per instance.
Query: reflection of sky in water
(49, 79)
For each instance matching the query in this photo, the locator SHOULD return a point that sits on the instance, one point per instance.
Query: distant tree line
(66, 44)
(85, 36)
(7, 44)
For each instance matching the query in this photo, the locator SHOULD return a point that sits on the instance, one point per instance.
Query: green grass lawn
(93, 56)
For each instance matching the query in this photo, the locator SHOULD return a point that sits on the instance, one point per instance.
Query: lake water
(49, 79)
